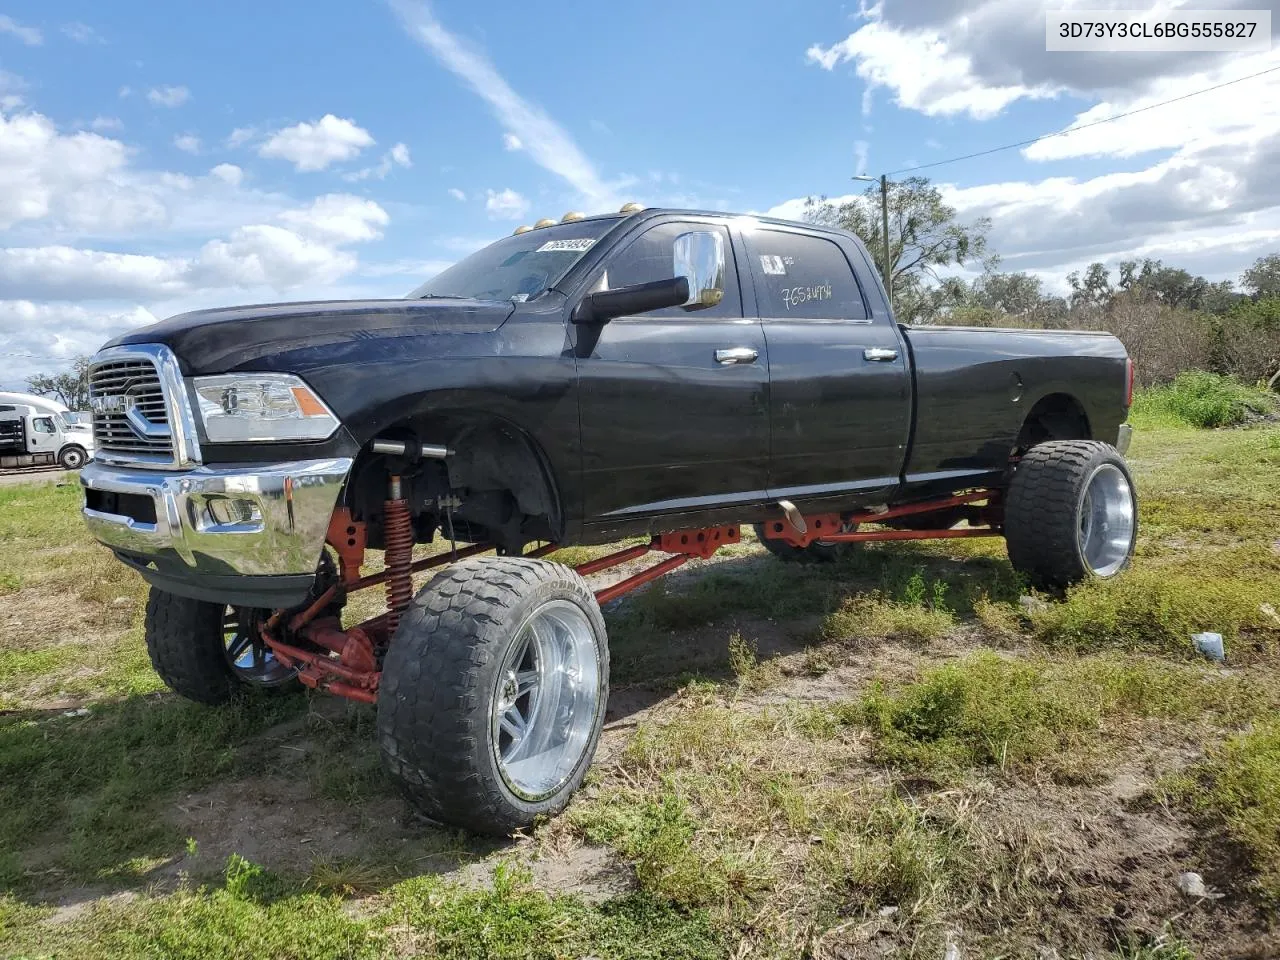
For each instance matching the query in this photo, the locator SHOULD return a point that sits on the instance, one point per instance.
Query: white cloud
(68, 273)
(263, 255)
(252, 257)
(794, 209)
(923, 71)
(860, 150)
(397, 156)
(228, 173)
(511, 142)
(505, 205)
(457, 194)
(165, 96)
(81, 33)
(314, 146)
(39, 166)
(106, 123)
(1237, 115)
(31, 36)
(49, 331)
(240, 136)
(1205, 197)
(187, 143)
(338, 217)
(542, 138)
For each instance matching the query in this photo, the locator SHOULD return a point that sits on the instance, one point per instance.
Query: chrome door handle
(734, 355)
(879, 355)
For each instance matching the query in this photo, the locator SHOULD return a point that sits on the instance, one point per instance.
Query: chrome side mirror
(699, 258)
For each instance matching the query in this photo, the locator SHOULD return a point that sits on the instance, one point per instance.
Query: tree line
(1169, 319)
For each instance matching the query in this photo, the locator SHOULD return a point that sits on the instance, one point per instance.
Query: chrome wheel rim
(546, 700)
(72, 460)
(250, 658)
(1106, 521)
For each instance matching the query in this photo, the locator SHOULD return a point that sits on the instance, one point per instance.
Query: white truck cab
(36, 431)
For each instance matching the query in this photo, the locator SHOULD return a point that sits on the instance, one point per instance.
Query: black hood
(224, 339)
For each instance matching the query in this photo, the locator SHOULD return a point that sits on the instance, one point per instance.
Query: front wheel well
(1058, 416)
(495, 486)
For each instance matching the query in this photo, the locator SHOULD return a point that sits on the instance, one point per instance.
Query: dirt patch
(1106, 863)
(278, 823)
(33, 477)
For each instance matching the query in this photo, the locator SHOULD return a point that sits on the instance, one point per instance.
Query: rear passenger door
(840, 388)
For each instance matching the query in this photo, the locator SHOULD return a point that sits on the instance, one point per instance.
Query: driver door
(43, 436)
(673, 403)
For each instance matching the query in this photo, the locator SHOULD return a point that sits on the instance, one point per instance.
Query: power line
(38, 356)
(1083, 126)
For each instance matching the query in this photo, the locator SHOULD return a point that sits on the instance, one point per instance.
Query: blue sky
(157, 159)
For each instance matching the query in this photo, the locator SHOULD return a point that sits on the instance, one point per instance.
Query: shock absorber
(398, 552)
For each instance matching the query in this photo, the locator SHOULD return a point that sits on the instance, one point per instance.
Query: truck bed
(974, 388)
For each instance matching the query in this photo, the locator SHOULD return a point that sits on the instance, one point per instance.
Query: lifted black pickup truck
(656, 373)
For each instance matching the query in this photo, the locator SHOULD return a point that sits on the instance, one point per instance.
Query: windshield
(518, 267)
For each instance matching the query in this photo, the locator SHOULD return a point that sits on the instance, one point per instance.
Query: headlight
(242, 407)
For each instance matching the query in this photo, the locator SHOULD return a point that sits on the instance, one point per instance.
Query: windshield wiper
(441, 296)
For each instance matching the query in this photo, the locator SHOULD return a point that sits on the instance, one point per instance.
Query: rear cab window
(803, 277)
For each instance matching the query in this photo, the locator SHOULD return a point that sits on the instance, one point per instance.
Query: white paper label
(773, 266)
(576, 246)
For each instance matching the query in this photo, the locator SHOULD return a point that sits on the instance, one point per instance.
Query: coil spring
(398, 549)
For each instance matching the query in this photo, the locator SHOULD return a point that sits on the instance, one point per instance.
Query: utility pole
(886, 268)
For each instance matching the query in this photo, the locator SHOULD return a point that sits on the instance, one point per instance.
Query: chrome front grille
(130, 415)
(140, 416)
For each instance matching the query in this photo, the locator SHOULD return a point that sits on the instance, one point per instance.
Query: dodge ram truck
(656, 374)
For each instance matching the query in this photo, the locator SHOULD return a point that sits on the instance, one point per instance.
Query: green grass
(80, 792)
(254, 914)
(1201, 399)
(1027, 716)
(754, 815)
(1237, 790)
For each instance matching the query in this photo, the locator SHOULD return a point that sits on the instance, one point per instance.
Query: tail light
(1128, 376)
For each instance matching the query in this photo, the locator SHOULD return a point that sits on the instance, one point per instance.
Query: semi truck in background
(37, 432)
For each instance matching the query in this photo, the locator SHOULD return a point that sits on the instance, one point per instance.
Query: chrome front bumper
(237, 521)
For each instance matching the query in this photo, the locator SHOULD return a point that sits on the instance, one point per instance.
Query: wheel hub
(1106, 520)
(546, 700)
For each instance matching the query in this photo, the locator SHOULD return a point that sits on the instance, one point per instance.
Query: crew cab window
(42, 424)
(651, 256)
(804, 277)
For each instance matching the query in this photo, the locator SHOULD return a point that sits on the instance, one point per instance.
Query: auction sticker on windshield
(576, 246)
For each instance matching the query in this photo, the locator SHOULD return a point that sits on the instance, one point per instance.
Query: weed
(870, 616)
(752, 675)
(1201, 400)
(1027, 715)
